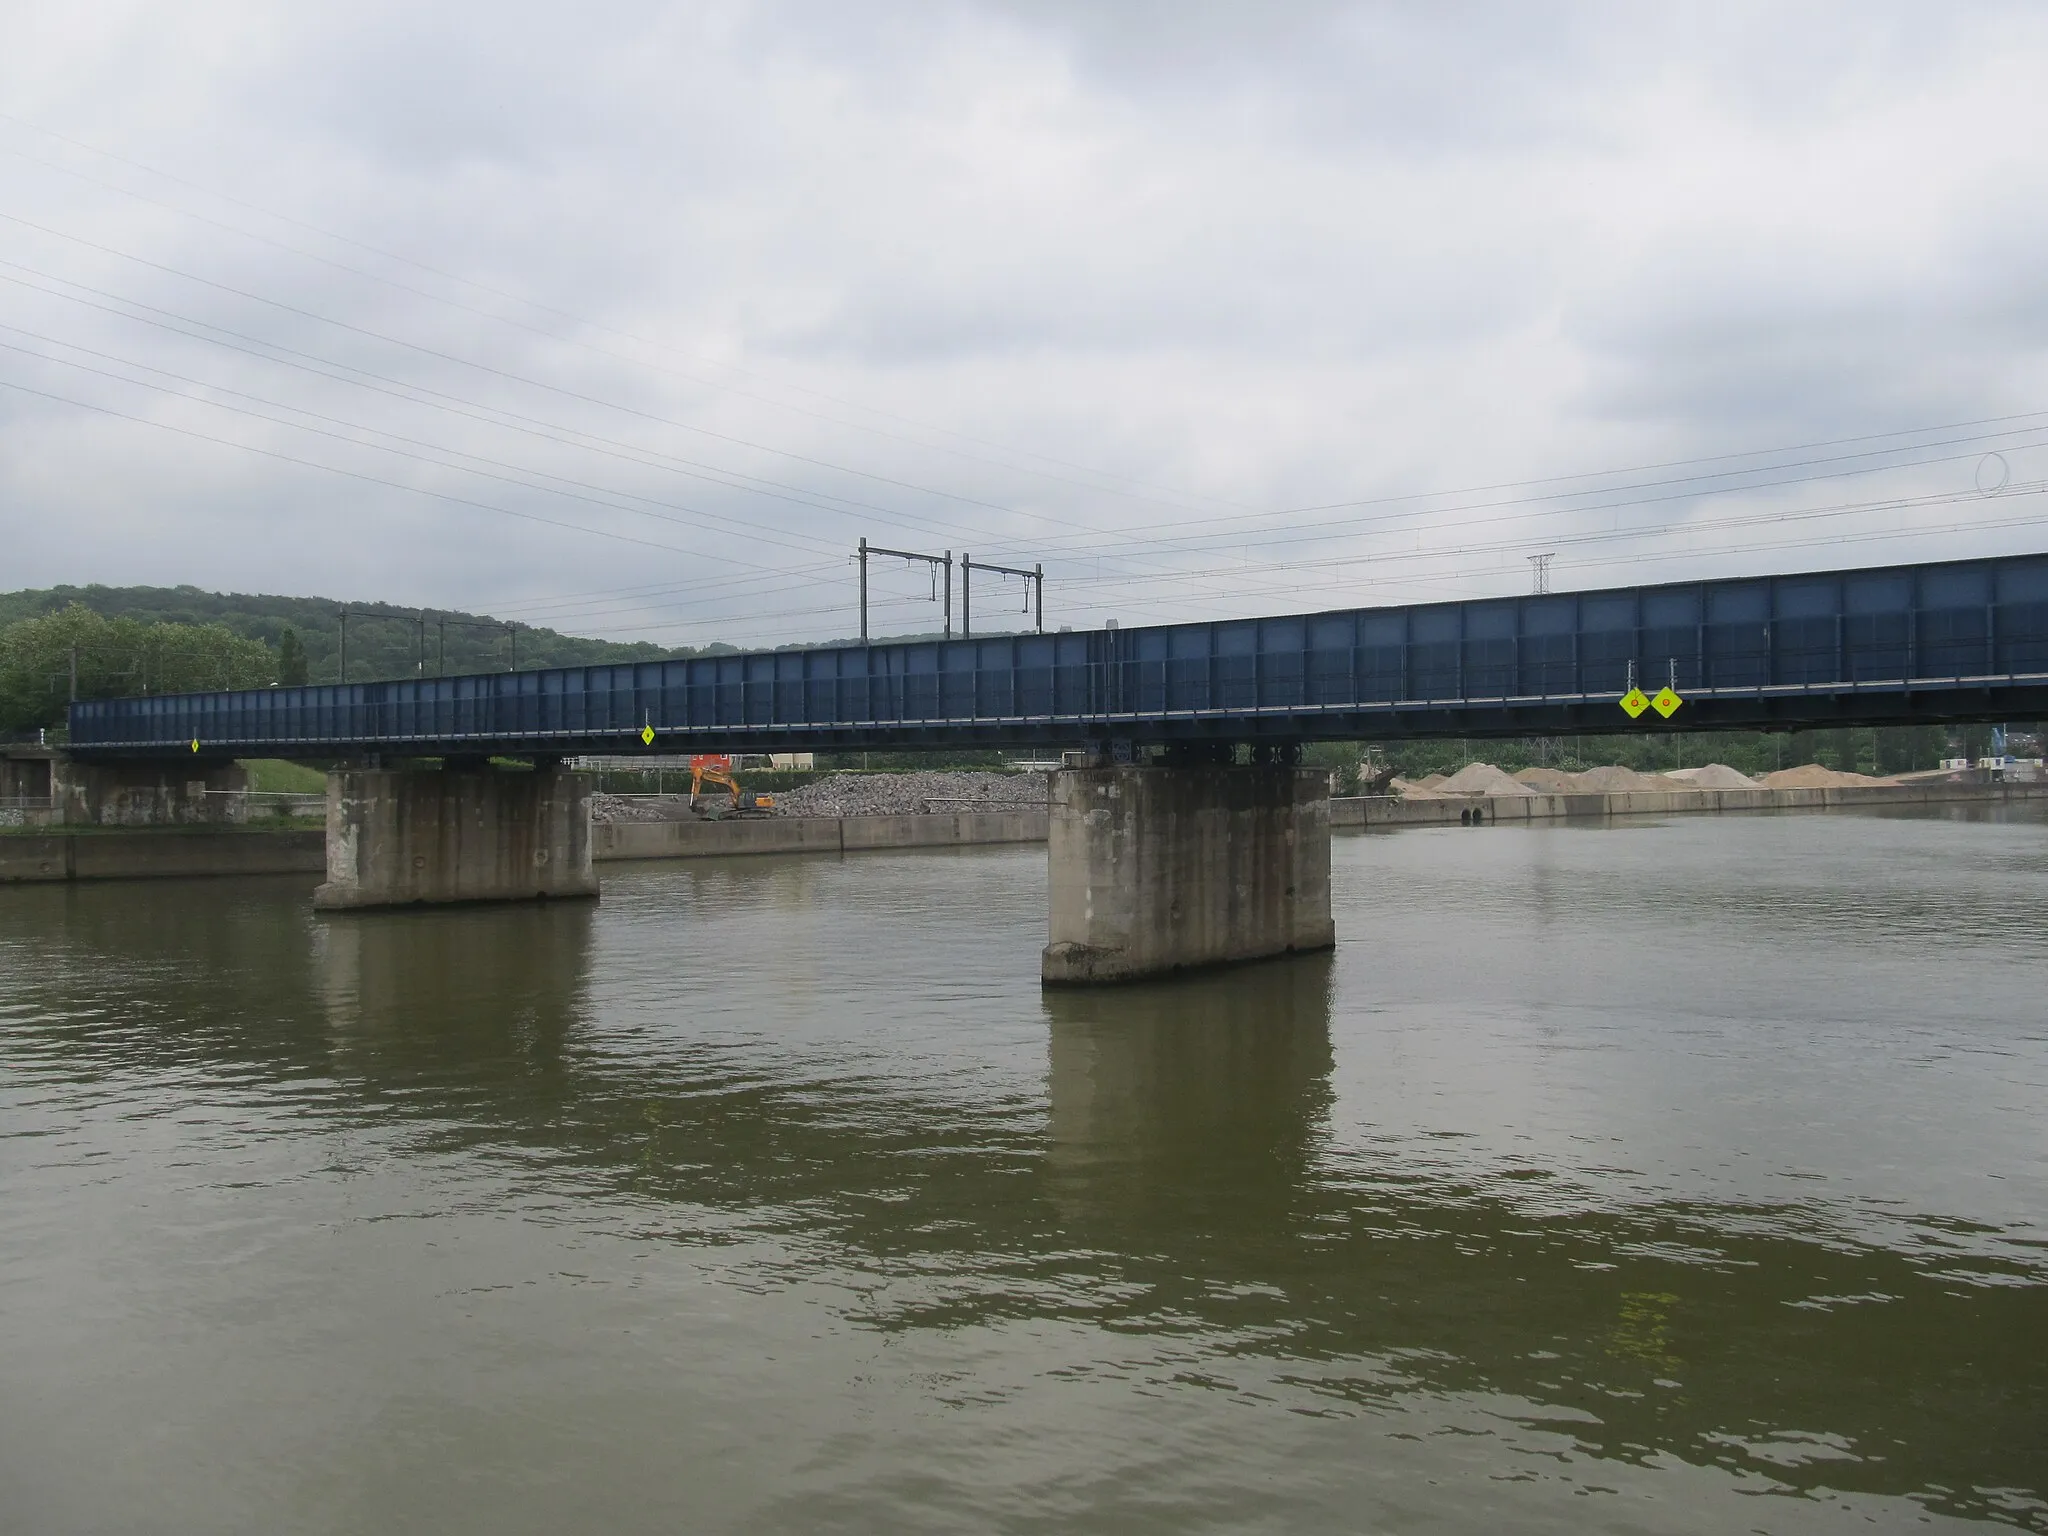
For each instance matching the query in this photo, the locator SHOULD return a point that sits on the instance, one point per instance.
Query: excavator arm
(715, 768)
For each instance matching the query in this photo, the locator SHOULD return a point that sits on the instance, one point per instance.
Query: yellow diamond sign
(195, 743)
(647, 733)
(1635, 703)
(1666, 702)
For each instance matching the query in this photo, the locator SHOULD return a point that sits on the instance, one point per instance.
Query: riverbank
(158, 853)
(163, 853)
(1435, 810)
(170, 852)
(622, 840)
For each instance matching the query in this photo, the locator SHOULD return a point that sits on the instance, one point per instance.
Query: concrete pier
(398, 838)
(1164, 869)
(153, 792)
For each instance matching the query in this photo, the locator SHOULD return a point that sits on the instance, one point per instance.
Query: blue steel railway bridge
(1173, 851)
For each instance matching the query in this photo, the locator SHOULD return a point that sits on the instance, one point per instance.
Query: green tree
(1909, 748)
(383, 639)
(42, 661)
(291, 659)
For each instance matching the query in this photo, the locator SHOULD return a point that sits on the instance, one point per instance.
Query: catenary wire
(577, 320)
(1122, 546)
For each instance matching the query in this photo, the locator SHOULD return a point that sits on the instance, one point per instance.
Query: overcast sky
(632, 319)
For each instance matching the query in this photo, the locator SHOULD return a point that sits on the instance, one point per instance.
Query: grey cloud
(1761, 342)
(982, 268)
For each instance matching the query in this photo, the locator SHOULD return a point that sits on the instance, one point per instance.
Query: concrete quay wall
(144, 855)
(172, 853)
(1391, 811)
(622, 840)
(166, 853)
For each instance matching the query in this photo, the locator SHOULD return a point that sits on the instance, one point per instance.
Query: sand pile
(1429, 781)
(1613, 780)
(1713, 776)
(1415, 789)
(1482, 779)
(1813, 776)
(1548, 781)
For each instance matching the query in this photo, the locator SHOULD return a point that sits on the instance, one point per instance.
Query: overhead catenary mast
(1034, 587)
(942, 566)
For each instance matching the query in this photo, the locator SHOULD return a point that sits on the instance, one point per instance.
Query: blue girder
(1954, 641)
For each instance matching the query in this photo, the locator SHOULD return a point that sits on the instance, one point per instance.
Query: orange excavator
(716, 768)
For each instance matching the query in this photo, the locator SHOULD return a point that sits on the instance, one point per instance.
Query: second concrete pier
(396, 838)
(1163, 869)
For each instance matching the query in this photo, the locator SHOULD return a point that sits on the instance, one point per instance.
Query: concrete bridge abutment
(171, 791)
(398, 837)
(1161, 869)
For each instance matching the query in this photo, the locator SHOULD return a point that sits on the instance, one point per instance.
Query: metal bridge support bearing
(1156, 870)
(398, 838)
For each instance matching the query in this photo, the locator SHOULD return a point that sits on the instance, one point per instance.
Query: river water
(1680, 1176)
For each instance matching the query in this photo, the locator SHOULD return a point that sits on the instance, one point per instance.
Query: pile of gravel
(899, 794)
(850, 794)
(642, 807)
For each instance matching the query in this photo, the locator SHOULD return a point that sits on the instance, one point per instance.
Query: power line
(566, 315)
(1509, 546)
(698, 515)
(1109, 543)
(1106, 543)
(1345, 527)
(503, 373)
(397, 485)
(599, 500)
(1721, 458)
(1440, 522)
(408, 392)
(399, 341)
(420, 394)
(398, 389)
(351, 474)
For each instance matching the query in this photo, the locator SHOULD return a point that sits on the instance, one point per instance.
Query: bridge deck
(1955, 641)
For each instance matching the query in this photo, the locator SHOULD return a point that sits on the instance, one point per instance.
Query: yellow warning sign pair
(1635, 701)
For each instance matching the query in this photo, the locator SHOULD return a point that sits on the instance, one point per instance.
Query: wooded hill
(384, 641)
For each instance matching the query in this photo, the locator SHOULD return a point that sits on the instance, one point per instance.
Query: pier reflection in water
(498, 989)
(1189, 1108)
(774, 1194)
